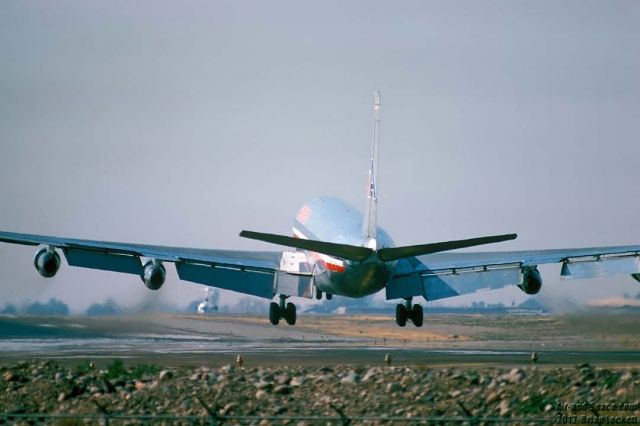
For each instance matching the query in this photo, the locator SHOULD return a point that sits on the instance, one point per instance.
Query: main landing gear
(282, 311)
(329, 296)
(407, 311)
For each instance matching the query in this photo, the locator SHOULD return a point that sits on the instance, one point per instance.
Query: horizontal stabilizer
(395, 253)
(343, 251)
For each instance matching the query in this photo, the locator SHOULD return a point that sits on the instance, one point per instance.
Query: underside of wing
(443, 275)
(258, 273)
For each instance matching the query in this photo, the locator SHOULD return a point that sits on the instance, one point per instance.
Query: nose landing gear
(282, 311)
(411, 312)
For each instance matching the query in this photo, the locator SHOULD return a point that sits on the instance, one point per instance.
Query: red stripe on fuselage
(329, 266)
(334, 268)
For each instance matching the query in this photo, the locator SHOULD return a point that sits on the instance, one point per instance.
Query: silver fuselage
(333, 220)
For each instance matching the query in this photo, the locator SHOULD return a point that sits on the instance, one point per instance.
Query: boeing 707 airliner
(337, 250)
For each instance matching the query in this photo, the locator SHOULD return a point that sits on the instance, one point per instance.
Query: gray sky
(181, 123)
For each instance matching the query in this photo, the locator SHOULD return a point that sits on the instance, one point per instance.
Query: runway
(175, 340)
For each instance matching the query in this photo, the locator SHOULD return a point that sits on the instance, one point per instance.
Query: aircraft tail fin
(370, 223)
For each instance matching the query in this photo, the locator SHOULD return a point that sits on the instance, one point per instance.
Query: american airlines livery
(337, 250)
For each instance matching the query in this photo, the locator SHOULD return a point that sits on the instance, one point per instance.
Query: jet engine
(47, 262)
(531, 280)
(153, 275)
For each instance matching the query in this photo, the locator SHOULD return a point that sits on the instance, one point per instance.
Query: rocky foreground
(389, 391)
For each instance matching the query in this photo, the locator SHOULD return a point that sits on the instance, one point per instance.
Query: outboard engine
(47, 262)
(153, 275)
(531, 280)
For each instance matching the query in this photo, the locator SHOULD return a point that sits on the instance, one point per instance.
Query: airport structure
(337, 250)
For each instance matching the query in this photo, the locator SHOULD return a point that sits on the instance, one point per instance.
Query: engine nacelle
(47, 262)
(531, 280)
(153, 275)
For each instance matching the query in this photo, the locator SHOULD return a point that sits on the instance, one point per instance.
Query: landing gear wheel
(274, 313)
(401, 315)
(318, 294)
(417, 315)
(329, 296)
(289, 314)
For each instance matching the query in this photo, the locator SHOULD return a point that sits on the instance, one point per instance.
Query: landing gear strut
(286, 311)
(409, 311)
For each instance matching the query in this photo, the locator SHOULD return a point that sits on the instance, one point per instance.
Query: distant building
(53, 307)
(10, 309)
(110, 307)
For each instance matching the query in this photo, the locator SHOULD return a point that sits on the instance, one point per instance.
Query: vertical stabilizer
(370, 224)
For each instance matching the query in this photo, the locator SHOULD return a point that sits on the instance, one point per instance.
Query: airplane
(209, 303)
(337, 250)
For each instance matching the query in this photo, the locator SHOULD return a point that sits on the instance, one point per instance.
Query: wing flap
(295, 284)
(253, 282)
(602, 267)
(434, 286)
(104, 261)
(403, 286)
(440, 286)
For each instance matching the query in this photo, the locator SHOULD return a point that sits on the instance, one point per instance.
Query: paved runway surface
(216, 340)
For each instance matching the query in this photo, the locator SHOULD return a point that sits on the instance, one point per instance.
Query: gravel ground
(392, 391)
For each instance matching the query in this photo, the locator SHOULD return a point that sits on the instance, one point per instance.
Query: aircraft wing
(258, 273)
(448, 274)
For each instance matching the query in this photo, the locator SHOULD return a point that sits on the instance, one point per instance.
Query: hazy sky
(182, 123)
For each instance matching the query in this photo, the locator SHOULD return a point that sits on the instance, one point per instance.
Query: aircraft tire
(318, 294)
(290, 314)
(401, 315)
(274, 313)
(329, 296)
(417, 315)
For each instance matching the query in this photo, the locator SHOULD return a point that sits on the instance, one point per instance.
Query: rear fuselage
(333, 220)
